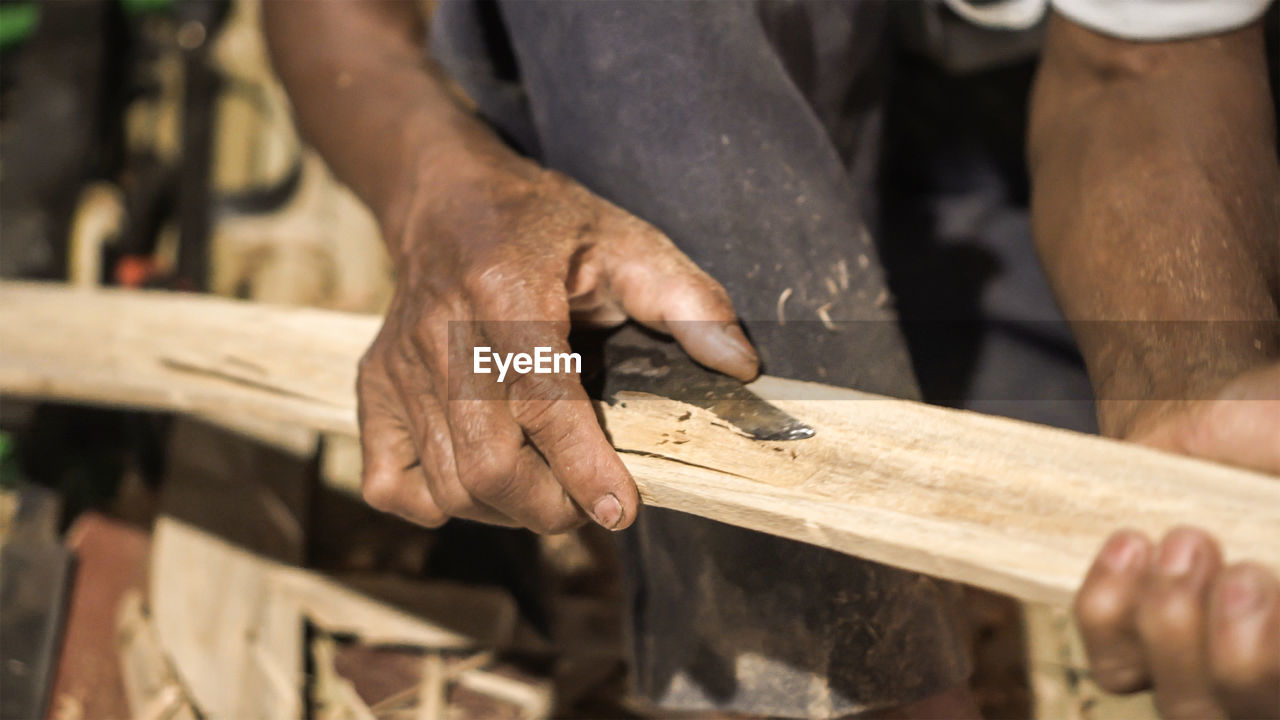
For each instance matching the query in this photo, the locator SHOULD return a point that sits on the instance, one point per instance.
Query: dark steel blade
(637, 360)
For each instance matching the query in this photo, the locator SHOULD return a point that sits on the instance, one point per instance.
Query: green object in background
(8, 463)
(17, 22)
(139, 7)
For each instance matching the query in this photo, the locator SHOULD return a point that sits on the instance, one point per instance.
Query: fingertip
(1244, 639)
(1186, 548)
(580, 457)
(608, 512)
(1126, 551)
(625, 518)
(1243, 591)
(617, 508)
(746, 363)
(1192, 536)
(721, 346)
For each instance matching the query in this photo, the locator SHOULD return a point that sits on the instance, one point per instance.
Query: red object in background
(135, 270)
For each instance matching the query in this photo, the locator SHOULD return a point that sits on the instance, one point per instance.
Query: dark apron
(747, 132)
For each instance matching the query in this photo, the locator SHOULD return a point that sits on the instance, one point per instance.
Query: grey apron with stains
(745, 131)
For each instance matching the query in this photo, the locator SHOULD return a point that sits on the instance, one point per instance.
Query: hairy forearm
(1156, 207)
(369, 99)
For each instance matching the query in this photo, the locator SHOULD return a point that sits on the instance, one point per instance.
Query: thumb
(1240, 427)
(661, 288)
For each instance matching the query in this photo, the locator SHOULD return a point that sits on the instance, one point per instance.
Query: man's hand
(1172, 618)
(1155, 191)
(484, 237)
(504, 255)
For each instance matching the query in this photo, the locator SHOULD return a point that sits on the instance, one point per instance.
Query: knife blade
(633, 359)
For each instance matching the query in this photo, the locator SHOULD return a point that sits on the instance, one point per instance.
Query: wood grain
(1009, 506)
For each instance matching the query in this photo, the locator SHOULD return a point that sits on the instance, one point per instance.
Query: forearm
(369, 99)
(1157, 198)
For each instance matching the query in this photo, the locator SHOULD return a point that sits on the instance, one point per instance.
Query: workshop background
(147, 144)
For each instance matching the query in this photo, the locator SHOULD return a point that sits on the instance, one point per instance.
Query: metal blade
(636, 360)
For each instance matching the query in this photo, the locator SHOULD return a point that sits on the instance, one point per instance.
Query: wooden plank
(1005, 505)
(135, 349)
(233, 621)
(151, 686)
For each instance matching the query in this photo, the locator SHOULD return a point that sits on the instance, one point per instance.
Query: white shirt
(1128, 19)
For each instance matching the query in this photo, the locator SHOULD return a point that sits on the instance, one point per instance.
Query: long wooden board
(1009, 506)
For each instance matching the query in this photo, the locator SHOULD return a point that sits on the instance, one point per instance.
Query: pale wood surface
(1061, 683)
(233, 622)
(150, 684)
(1005, 505)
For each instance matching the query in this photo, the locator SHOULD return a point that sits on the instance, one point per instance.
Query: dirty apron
(747, 132)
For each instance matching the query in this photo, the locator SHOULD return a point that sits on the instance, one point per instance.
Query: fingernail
(1241, 595)
(607, 511)
(1177, 554)
(1123, 553)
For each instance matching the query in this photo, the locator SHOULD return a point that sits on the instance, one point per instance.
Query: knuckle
(491, 474)
(1099, 608)
(494, 486)
(490, 280)
(380, 493)
(453, 504)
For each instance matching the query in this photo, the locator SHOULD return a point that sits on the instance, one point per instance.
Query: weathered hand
(514, 253)
(1204, 637)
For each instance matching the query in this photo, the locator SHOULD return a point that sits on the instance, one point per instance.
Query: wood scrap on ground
(151, 686)
(1004, 505)
(333, 696)
(234, 622)
(420, 685)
